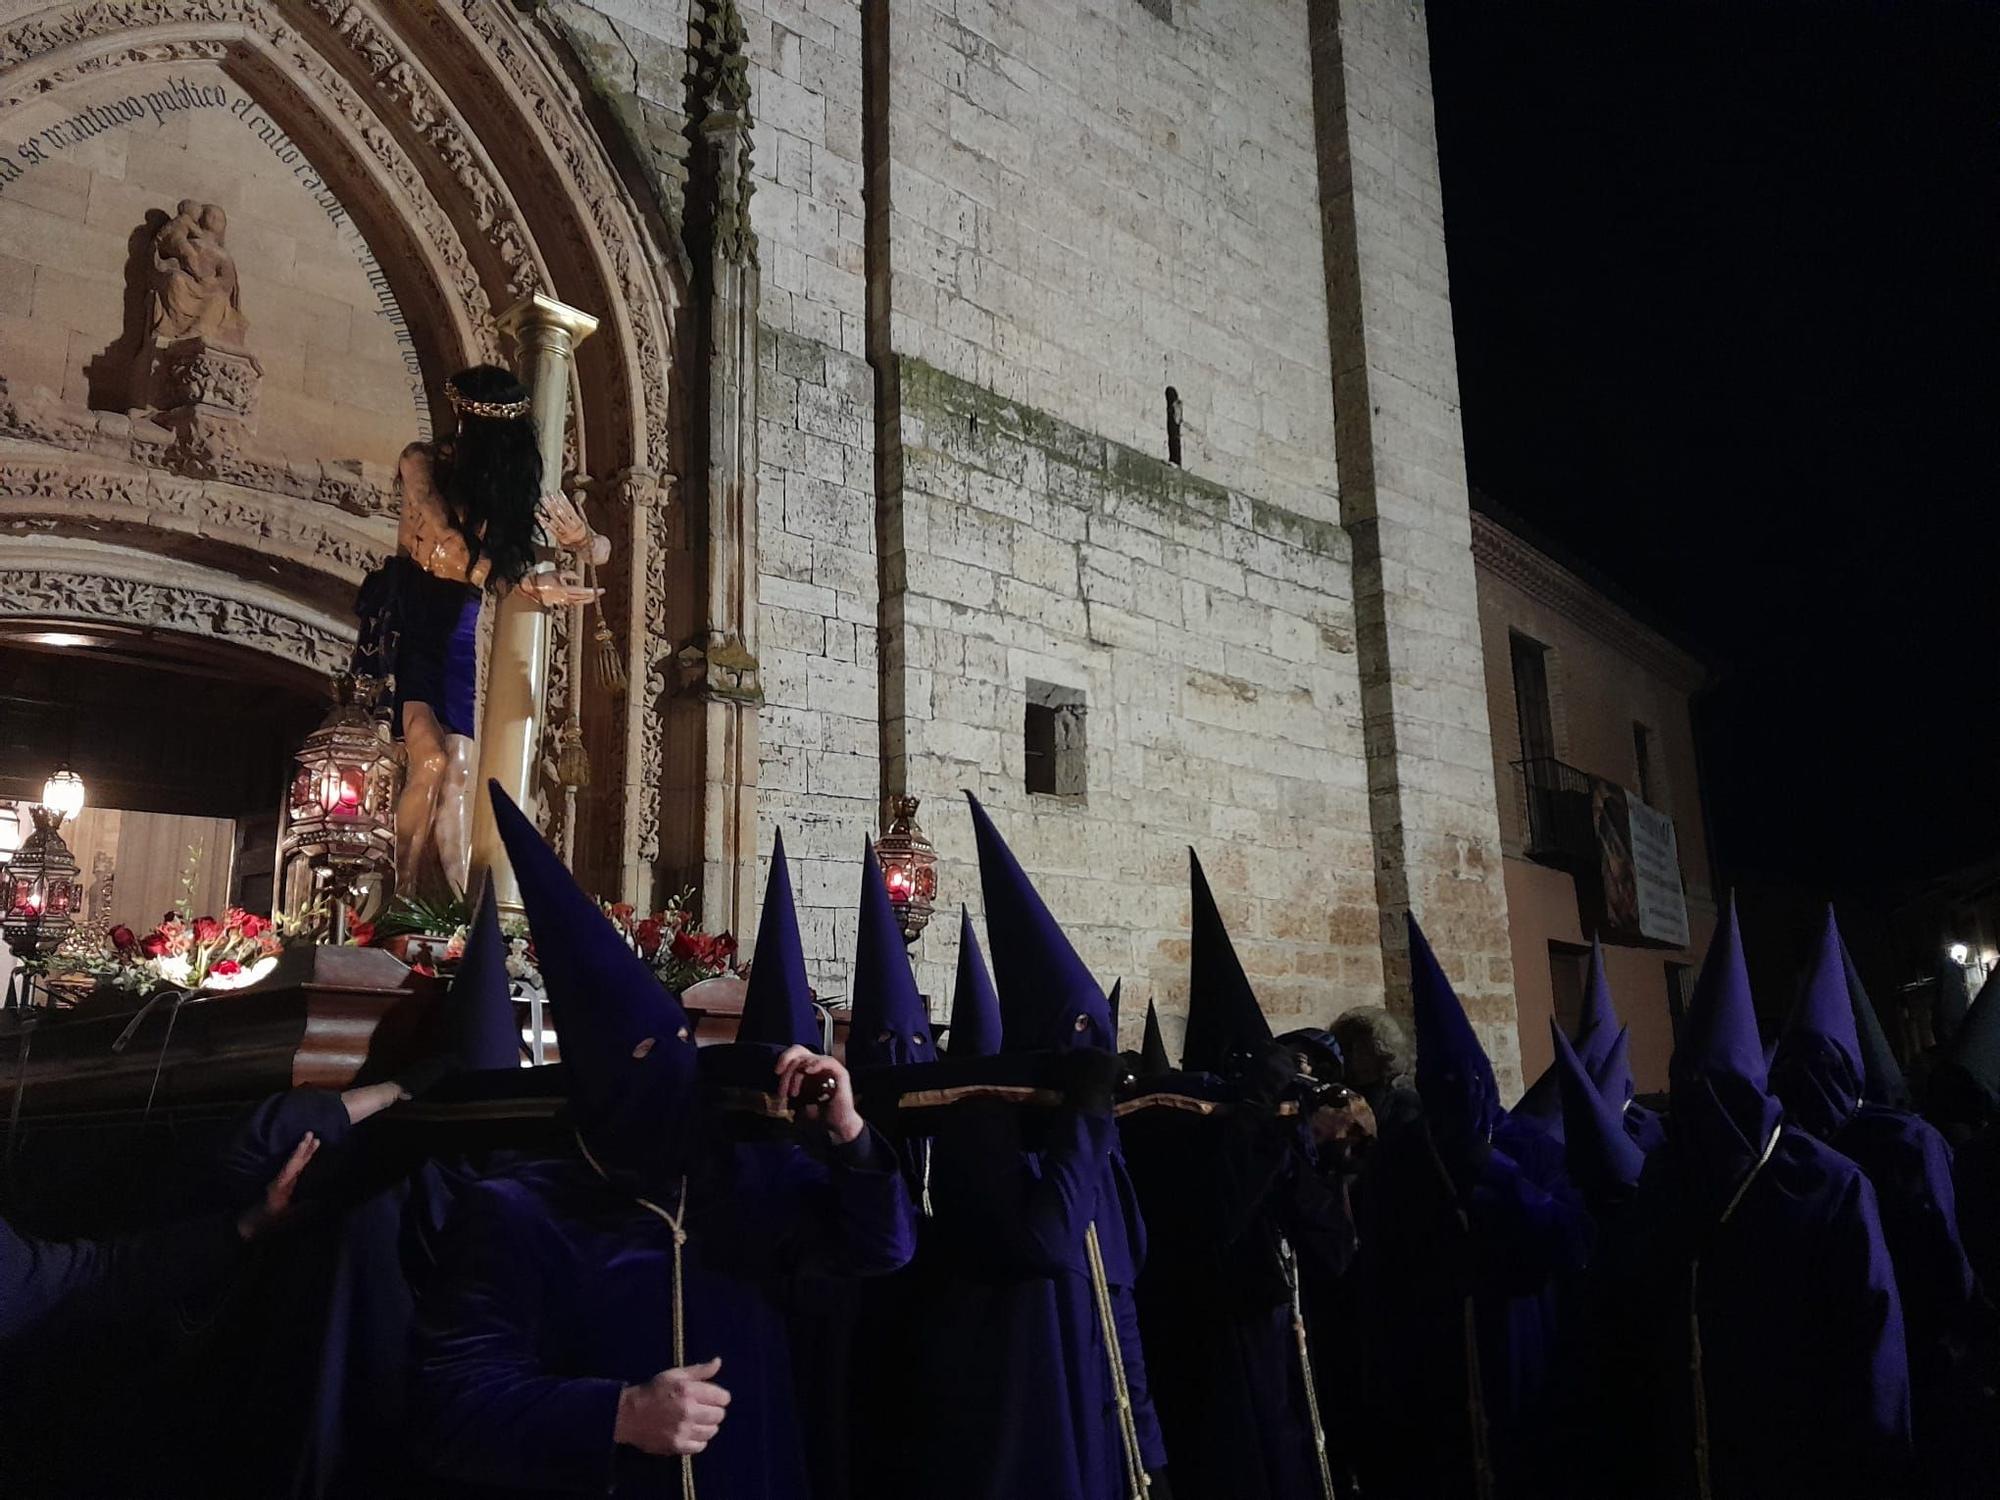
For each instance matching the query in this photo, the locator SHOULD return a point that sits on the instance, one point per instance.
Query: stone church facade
(1048, 398)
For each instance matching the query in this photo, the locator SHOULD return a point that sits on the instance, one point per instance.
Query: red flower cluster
(124, 939)
(648, 935)
(708, 950)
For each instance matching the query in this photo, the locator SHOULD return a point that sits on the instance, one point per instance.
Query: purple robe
(58, 1284)
(1435, 1243)
(555, 1291)
(1215, 1301)
(1804, 1374)
(1010, 1392)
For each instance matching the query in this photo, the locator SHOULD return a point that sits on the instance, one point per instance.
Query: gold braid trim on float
(678, 1224)
(465, 406)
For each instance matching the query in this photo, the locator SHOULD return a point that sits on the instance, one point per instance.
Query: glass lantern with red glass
(337, 832)
(42, 894)
(909, 868)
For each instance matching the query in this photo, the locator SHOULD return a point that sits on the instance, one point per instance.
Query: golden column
(545, 334)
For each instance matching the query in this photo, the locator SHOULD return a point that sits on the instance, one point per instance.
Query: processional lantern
(62, 793)
(337, 829)
(909, 868)
(42, 895)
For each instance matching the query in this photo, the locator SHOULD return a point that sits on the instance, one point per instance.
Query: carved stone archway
(378, 99)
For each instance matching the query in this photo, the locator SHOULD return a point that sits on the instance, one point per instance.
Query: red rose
(361, 934)
(124, 939)
(649, 935)
(252, 926)
(227, 967)
(153, 944)
(687, 946)
(725, 949)
(206, 929)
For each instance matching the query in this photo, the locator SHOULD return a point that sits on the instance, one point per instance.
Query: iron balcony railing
(1556, 813)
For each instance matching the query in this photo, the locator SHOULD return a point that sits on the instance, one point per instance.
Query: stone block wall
(1405, 502)
(991, 235)
(1212, 637)
(1093, 200)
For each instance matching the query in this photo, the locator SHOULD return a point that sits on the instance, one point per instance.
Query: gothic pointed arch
(457, 168)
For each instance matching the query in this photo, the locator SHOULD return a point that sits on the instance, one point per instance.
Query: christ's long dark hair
(492, 483)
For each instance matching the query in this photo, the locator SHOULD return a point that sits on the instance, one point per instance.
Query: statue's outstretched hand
(551, 590)
(563, 522)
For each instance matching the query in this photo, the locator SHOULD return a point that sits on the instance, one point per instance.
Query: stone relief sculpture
(194, 376)
(195, 293)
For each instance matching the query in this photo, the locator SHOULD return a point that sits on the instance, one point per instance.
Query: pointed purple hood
(890, 1025)
(1965, 1088)
(975, 1007)
(1722, 1116)
(1153, 1059)
(1882, 1080)
(1816, 1072)
(777, 1002)
(1613, 1073)
(627, 1046)
(1225, 1024)
(484, 1033)
(1598, 1024)
(1048, 1000)
(1454, 1077)
(1602, 1158)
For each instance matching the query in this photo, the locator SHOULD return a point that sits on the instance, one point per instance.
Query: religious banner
(1639, 870)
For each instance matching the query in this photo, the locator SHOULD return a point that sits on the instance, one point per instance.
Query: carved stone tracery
(379, 97)
(74, 595)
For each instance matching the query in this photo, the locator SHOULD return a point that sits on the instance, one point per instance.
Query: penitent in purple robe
(1819, 1078)
(1233, 1200)
(555, 1286)
(555, 1291)
(1759, 1284)
(1011, 1387)
(1460, 1251)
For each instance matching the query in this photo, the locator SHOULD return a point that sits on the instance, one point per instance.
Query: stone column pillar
(721, 688)
(1404, 500)
(545, 334)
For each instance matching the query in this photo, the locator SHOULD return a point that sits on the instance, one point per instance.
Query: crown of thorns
(465, 406)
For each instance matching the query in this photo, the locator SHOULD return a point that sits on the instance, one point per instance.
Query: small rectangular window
(1531, 697)
(1680, 990)
(1642, 757)
(1053, 738)
(1569, 969)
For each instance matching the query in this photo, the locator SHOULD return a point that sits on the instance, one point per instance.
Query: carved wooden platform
(326, 1017)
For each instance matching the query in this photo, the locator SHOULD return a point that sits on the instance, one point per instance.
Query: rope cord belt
(1135, 1461)
(1288, 1262)
(677, 1223)
(1703, 1482)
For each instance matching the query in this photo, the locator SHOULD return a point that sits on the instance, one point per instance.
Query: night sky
(1724, 282)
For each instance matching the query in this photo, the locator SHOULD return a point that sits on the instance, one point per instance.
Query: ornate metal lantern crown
(909, 868)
